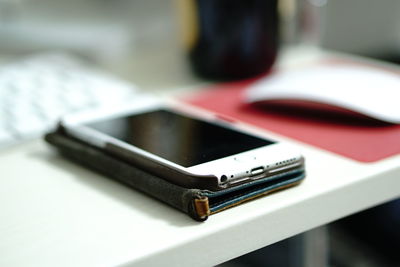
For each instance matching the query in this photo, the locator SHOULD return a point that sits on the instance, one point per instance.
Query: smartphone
(190, 149)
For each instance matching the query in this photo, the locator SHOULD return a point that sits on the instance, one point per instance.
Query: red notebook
(361, 140)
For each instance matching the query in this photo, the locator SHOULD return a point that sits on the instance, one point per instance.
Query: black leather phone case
(197, 203)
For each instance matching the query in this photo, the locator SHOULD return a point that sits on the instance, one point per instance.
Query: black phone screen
(178, 138)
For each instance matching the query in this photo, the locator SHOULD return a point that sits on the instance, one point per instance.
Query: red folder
(358, 139)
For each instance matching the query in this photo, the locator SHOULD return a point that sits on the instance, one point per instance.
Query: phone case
(197, 203)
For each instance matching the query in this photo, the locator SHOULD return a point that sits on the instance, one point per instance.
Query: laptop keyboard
(36, 92)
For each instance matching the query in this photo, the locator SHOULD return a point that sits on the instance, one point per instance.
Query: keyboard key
(35, 93)
(6, 138)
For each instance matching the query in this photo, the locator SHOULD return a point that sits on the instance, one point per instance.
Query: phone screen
(183, 140)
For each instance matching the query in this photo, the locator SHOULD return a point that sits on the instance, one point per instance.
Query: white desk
(55, 213)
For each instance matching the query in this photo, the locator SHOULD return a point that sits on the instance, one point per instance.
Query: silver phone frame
(213, 175)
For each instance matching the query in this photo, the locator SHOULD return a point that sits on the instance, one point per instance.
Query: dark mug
(231, 39)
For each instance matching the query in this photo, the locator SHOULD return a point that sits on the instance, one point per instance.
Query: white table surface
(56, 213)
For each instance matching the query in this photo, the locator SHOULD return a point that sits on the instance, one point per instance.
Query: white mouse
(365, 90)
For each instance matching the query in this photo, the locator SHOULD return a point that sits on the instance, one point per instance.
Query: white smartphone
(191, 149)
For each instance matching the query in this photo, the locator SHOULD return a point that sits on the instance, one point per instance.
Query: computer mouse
(364, 90)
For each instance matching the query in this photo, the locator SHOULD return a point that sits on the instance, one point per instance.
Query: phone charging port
(256, 171)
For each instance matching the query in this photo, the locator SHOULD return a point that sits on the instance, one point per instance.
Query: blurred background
(141, 41)
(136, 39)
(128, 37)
